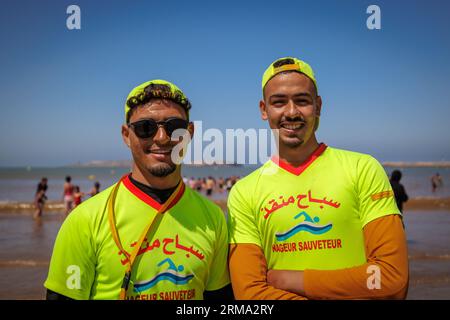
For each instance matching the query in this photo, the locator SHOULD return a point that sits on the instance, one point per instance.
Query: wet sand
(26, 247)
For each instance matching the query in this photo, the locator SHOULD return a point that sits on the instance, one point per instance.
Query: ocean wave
(23, 263)
(425, 256)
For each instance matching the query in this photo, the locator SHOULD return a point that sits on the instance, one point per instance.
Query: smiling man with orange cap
(316, 222)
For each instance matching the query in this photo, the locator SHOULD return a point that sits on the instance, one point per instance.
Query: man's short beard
(293, 144)
(162, 169)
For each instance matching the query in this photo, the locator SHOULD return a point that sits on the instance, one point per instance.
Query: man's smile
(292, 126)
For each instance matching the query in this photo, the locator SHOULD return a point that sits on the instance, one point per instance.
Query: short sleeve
(242, 226)
(376, 197)
(219, 276)
(72, 266)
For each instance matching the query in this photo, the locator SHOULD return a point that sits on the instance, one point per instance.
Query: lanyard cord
(112, 223)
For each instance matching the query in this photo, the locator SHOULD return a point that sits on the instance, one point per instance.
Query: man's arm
(73, 259)
(248, 270)
(386, 251)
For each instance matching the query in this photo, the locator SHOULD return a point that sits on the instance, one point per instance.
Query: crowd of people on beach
(72, 195)
(211, 185)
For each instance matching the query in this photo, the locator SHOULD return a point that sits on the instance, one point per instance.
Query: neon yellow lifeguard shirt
(312, 216)
(185, 256)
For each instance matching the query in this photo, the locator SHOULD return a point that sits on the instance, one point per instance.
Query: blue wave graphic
(167, 275)
(304, 226)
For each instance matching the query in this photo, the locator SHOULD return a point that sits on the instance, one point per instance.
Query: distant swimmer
(68, 195)
(95, 189)
(77, 196)
(398, 188)
(436, 182)
(40, 197)
(210, 185)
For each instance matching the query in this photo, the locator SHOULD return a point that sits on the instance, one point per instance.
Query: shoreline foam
(422, 203)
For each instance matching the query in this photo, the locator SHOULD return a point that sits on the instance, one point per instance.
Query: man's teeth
(160, 151)
(292, 126)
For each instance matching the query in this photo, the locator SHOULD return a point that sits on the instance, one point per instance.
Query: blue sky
(386, 92)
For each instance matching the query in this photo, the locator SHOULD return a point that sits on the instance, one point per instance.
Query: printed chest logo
(167, 271)
(307, 225)
(172, 273)
(168, 245)
(303, 201)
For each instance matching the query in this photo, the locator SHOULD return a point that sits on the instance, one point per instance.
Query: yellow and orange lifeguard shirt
(312, 216)
(184, 257)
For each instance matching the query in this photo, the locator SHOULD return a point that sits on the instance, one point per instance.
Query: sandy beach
(27, 246)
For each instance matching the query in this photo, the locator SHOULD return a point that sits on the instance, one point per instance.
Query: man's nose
(161, 136)
(291, 110)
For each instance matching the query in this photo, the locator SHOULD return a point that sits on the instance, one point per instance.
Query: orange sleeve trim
(248, 271)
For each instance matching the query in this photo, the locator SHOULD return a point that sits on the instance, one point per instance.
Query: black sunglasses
(147, 128)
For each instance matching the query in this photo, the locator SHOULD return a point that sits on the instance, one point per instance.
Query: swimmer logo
(308, 225)
(172, 274)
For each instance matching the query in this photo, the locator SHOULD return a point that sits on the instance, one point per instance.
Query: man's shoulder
(195, 198)
(92, 207)
(351, 159)
(348, 154)
(245, 189)
(250, 180)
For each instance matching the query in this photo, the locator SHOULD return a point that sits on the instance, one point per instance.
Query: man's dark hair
(68, 178)
(158, 91)
(282, 62)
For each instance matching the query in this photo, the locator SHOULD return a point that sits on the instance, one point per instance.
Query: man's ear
(126, 134)
(262, 109)
(191, 129)
(318, 106)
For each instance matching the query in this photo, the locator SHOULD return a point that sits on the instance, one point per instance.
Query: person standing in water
(436, 182)
(398, 188)
(95, 189)
(40, 197)
(77, 196)
(68, 195)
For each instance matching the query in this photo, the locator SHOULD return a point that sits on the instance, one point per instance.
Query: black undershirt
(159, 195)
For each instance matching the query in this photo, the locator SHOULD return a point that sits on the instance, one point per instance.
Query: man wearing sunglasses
(316, 222)
(148, 237)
